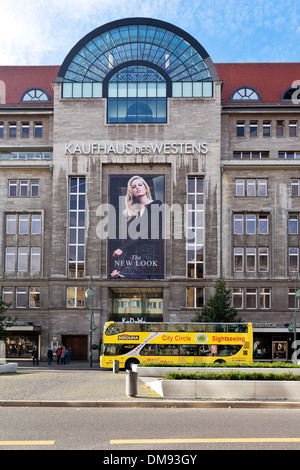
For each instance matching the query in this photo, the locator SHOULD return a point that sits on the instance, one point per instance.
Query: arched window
(245, 94)
(291, 93)
(137, 94)
(35, 94)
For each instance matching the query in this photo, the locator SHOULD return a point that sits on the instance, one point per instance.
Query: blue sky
(42, 32)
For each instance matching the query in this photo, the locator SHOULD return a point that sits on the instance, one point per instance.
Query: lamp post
(297, 294)
(90, 293)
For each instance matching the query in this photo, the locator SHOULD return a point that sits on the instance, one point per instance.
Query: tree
(5, 321)
(218, 307)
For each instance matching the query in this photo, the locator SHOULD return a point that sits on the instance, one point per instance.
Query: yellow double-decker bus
(134, 343)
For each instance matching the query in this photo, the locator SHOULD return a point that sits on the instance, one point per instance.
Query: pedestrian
(50, 356)
(69, 354)
(35, 357)
(63, 356)
(58, 354)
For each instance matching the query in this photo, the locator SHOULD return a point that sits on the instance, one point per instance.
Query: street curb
(149, 404)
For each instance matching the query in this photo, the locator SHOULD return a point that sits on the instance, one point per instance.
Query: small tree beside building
(218, 308)
(5, 321)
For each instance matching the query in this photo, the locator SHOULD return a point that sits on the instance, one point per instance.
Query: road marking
(27, 443)
(204, 441)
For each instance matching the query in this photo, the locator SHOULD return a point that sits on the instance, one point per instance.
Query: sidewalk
(78, 385)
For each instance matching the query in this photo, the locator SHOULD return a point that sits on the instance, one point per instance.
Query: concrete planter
(228, 389)
(8, 368)
(161, 371)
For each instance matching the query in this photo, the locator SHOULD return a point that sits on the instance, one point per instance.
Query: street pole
(90, 293)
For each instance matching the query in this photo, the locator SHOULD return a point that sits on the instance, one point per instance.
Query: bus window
(149, 350)
(204, 350)
(196, 327)
(175, 327)
(135, 327)
(228, 350)
(115, 329)
(189, 350)
(154, 327)
(110, 349)
(220, 328)
(237, 328)
(168, 350)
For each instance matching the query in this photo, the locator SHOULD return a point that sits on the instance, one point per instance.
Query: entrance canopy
(145, 40)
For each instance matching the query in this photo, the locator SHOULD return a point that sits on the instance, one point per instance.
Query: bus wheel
(220, 361)
(129, 363)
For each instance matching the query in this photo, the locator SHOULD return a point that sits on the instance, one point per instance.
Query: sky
(42, 32)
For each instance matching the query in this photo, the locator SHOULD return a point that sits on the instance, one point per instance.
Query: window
(35, 259)
(238, 224)
(237, 297)
(21, 297)
(11, 224)
(262, 187)
(76, 227)
(266, 128)
(251, 259)
(293, 128)
(137, 94)
(35, 224)
(194, 297)
(250, 224)
(38, 129)
(263, 259)
(238, 254)
(240, 187)
(75, 297)
(8, 296)
(292, 93)
(251, 187)
(10, 259)
(82, 90)
(279, 128)
(195, 228)
(22, 259)
(34, 297)
(25, 130)
(35, 94)
(265, 298)
(251, 298)
(253, 128)
(192, 89)
(295, 186)
(24, 188)
(291, 299)
(34, 188)
(1, 130)
(293, 259)
(240, 129)
(293, 224)
(252, 154)
(245, 94)
(23, 224)
(263, 225)
(12, 129)
(290, 154)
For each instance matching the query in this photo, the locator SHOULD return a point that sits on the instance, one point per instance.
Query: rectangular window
(21, 297)
(34, 297)
(251, 259)
(8, 296)
(12, 130)
(75, 297)
(11, 224)
(35, 259)
(38, 129)
(253, 128)
(34, 188)
(250, 224)
(291, 300)
(293, 259)
(279, 128)
(238, 224)
(10, 259)
(35, 224)
(194, 297)
(262, 187)
(295, 187)
(263, 259)
(13, 188)
(77, 198)
(22, 259)
(237, 297)
(265, 298)
(293, 224)
(240, 187)
(263, 225)
(25, 130)
(238, 254)
(251, 187)
(293, 128)
(23, 224)
(195, 228)
(240, 129)
(251, 298)
(1, 130)
(267, 128)
(24, 188)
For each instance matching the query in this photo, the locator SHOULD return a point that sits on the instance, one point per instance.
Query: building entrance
(79, 345)
(279, 350)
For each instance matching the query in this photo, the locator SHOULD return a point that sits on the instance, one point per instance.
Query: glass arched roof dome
(143, 40)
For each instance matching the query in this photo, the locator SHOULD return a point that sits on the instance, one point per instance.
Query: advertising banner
(136, 226)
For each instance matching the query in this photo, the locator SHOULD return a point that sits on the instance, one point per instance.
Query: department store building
(217, 147)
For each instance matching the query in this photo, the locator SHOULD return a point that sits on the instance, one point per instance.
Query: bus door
(279, 350)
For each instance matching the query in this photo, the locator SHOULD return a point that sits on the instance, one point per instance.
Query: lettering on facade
(128, 148)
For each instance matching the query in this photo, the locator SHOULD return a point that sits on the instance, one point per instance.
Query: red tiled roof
(18, 79)
(269, 79)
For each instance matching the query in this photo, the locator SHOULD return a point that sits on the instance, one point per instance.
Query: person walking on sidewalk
(50, 356)
(58, 354)
(63, 356)
(69, 354)
(35, 357)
